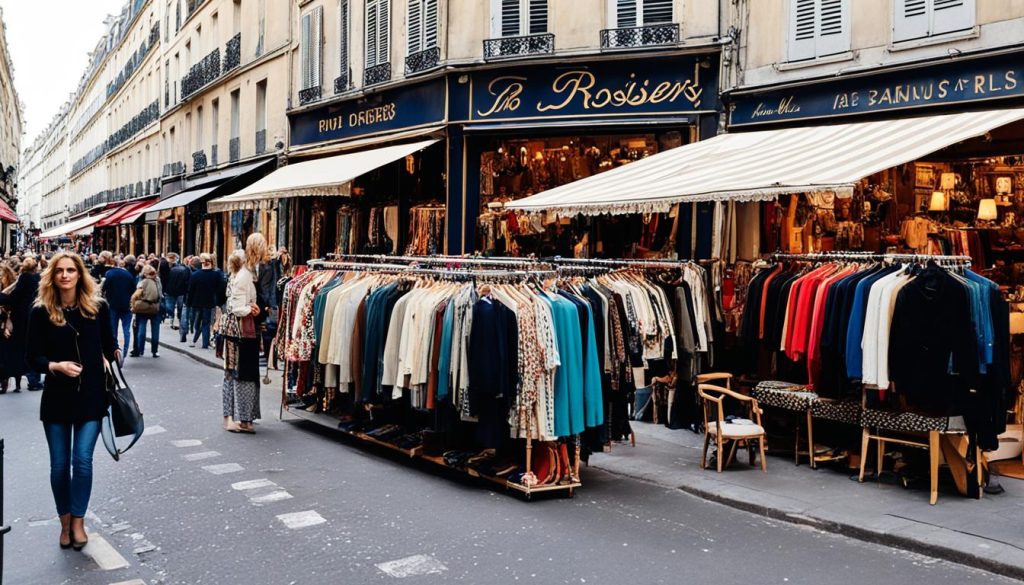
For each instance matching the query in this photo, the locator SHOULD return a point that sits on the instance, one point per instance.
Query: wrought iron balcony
(377, 74)
(148, 115)
(234, 149)
(309, 95)
(341, 82)
(201, 74)
(261, 141)
(174, 169)
(198, 161)
(134, 61)
(505, 47)
(213, 155)
(422, 61)
(233, 53)
(640, 36)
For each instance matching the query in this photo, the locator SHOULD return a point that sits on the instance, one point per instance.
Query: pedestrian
(69, 337)
(148, 292)
(8, 279)
(118, 286)
(175, 287)
(205, 288)
(103, 263)
(130, 265)
(19, 303)
(241, 351)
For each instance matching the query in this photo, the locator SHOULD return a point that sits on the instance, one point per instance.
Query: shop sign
(677, 85)
(387, 111)
(964, 81)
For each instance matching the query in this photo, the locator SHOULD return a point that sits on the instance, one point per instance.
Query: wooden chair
(713, 398)
(712, 377)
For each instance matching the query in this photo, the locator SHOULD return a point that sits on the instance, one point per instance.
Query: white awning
(752, 166)
(330, 176)
(81, 226)
(181, 198)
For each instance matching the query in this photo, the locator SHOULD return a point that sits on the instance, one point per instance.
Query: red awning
(121, 212)
(138, 210)
(6, 213)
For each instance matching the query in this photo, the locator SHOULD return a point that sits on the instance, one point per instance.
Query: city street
(192, 504)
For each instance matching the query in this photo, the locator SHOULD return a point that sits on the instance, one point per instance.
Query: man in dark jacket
(205, 290)
(19, 301)
(118, 286)
(103, 263)
(175, 288)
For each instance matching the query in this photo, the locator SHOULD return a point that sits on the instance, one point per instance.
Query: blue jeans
(187, 321)
(140, 334)
(202, 319)
(71, 448)
(35, 379)
(124, 318)
(174, 305)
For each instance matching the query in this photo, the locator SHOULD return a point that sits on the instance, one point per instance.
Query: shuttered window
(818, 28)
(630, 13)
(378, 32)
(311, 45)
(343, 36)
(511, 18)
(916, 19)
(422, 18)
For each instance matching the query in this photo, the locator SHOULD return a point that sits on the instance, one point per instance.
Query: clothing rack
(624, 263)
(446, 274)
(440, 260)
(826, 256)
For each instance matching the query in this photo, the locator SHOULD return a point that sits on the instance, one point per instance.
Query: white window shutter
(833, 27)
(952, 15)
(625, 13)
(414, 42)
(371, 33)
(538, 16)
(430, 33)
(307, 74)
(384, 31)
(656, 12)
(803, 26)
(911, 19)
(343, 26)
(316, 46)
(510, 18)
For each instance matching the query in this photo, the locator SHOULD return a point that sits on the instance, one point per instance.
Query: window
(235, 99)
(344, 18)
(630, 13)
(511, 18)
(915, 19)
(261, 105)
(236, 17)
(378, 32)
(818, 28)
(422, 25)
(262, 26)
(312, 41)
(199, 128)
(214, 122)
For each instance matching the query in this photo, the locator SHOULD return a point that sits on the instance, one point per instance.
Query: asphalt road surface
(295, 504)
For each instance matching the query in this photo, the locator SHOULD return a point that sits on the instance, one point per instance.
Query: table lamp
(987, 210)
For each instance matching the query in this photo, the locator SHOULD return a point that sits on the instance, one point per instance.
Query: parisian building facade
(10, 142)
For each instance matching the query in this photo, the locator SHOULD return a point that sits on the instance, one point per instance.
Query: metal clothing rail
(816, 256)
(441, 259)
(443, 273)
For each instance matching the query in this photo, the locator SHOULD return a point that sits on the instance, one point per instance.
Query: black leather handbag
(124, 417)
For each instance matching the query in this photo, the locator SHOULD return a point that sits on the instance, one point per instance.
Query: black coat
(82, 340)
(205, 289)
(20, 302)
(176, 283)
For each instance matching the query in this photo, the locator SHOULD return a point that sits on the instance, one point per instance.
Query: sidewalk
(985, 533)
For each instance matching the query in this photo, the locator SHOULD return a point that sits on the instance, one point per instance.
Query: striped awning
(6, 213)
(125, 210)
(80, 226)
(753, 166)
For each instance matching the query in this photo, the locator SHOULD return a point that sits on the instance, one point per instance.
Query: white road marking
(296, 520)
(104, 555)
(412, 566)
(154, 430)
(200, 455)
(132, 582)
(186, 443)
(274, 496)
(223, 468)
(252, 484)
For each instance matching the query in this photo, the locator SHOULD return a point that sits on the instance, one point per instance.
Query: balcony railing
(198, 161)
(261, 141)
(500, 48)
(144, 118)
(134, 61)
(213, 155)
(234, 149)
(640, 36)
(422, 61)
(122, 193)
(309, 95)
(174, 169)
(377, 74)
(233, 53)
(341, 82)
(201, 74)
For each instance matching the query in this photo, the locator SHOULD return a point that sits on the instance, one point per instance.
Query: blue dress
(569, 418)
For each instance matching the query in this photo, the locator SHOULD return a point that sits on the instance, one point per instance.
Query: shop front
(521, 130)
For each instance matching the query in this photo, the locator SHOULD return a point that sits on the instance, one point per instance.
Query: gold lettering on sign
(787, 105)
(369, 116)
(578, 87)
(506, 91)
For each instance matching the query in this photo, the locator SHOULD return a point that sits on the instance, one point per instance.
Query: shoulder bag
(124, 417)
(141, 306)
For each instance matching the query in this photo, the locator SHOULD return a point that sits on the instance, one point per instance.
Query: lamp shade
(1004, 185)
(938, 202)
(947, 181)
(987, 209)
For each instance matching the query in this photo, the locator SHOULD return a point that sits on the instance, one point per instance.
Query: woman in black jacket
(69, 337)
(19, 301)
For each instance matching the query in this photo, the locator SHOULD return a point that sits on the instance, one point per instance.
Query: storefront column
(455, 190)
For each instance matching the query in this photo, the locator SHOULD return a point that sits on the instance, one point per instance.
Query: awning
(133, 214)
(330, 176)
(121, 212)
(180, 199)
(6, 213)
(75, 227)
(752, 166)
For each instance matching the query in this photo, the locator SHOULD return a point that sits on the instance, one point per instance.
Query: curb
(201, 359)
(937, 551)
